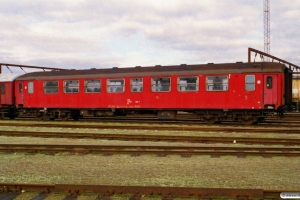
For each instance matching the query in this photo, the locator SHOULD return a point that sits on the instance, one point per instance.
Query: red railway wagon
(7, 98)
(244, 92)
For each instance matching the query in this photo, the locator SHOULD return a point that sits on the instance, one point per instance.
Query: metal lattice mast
(267, 27)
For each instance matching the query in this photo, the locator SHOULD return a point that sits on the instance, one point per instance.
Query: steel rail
(168, 138)
(147, 149)
(286, 130)
(190, 121)
(105, 191)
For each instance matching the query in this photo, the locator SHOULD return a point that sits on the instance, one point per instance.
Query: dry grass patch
(147, 170)
(175, 171)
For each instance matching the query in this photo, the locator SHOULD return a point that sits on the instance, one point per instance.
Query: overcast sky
(125, 33)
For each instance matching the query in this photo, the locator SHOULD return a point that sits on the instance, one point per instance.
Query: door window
(20, 87)
(2, 88)
(269, 82)
(30, 87)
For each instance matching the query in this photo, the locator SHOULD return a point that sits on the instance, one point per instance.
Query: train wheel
(65, 118)
(210, 121)
(1, 115)
(248, 120)
(40, 116)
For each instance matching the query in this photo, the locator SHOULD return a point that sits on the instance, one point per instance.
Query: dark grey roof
(226, 68)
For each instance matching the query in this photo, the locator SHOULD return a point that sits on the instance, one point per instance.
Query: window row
(163, 84)
(118, 85)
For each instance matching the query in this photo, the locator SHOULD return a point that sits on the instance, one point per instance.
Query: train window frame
(214, 87)
(94, 89)
(53, 89)
(30, 87)
(3, 88)
(20, 87)
(155, 86)
(137, 86)
(269, 82)
(187, 86)
(249, 83)
(73, 87)
(118, 88)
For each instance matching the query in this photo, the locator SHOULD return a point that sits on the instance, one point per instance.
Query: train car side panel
(7, 96)
(232, 95)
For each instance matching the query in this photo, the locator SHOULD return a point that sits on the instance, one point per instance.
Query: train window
(161, 84)
(50, 87)
(250, 82)
(136, 85)
(3, 88)
(269, 82)
(30, 87)
(92, 86)
(186, 84)
(115, 85)
(71, 86)
(216, 83)
(20, 87)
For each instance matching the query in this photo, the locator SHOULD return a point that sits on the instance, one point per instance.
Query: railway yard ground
(274, 172)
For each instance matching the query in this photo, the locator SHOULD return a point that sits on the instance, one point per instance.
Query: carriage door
(0, 92)
(20, 88)
(270, 89)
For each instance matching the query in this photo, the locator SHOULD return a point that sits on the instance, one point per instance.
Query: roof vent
(157, 65)
(210, 63)
(182, 64)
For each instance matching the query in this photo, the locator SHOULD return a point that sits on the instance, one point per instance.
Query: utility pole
(267, 27)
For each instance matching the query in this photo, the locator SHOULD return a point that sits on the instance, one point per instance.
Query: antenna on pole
(267, 27)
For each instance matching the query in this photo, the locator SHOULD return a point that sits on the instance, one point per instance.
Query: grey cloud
(83, 33)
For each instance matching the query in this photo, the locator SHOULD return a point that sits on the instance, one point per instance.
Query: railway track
(182, 121)
(105, 192)
(204, 128)
(167, 138)
(153, 149)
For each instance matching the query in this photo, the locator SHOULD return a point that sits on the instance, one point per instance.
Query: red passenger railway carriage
(7, 97)
(244, 92)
